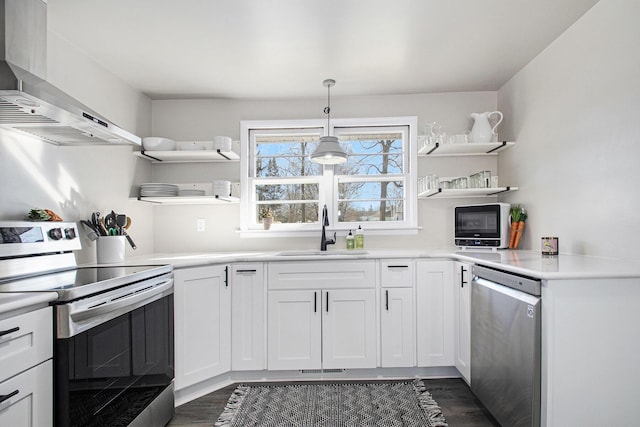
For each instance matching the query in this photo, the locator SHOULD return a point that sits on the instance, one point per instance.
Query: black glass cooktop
(81, 282)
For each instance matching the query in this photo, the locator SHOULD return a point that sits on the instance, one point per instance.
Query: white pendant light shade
(329, 151)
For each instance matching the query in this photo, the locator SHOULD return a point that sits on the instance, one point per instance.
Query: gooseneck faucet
(325, 223)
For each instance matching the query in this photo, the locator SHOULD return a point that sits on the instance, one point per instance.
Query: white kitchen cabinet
(294, 325)
(396, 327)
(462, 314)
(26, 399)
(397, 332)
(435, 317)
(321, 315)
(321, 329)
(202, 299)
(248, 317)
(348, 329)
(26, 383)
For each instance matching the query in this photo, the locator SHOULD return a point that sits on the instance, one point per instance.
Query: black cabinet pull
(226, 276)
(462, 271)
(4, 397)
(315, 302)
(245, 271)
(327, 301)
(9, 331)
(387, 299)
(397, 266)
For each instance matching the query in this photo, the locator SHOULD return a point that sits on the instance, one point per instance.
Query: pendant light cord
(327, 110)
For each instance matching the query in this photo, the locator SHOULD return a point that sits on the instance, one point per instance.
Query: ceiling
(286, 48)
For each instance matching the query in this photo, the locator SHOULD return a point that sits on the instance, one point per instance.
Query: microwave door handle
(134, 300)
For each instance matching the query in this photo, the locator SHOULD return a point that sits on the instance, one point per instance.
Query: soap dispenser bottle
(359, 238)
(351, 241)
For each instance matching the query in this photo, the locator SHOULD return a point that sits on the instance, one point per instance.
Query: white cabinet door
(248, 321)
(397, 332)
(348, 329)
(462, 311)
(27, 398)
(294, 329)
(202, 300)
(435, 319)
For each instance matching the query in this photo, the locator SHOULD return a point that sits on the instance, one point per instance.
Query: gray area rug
(388, 404)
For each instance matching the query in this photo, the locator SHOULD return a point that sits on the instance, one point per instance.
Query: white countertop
(16, 301)
(529, 263)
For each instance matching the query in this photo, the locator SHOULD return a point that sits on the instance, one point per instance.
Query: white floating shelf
(468, 149)
(188, 156)
(207, 199)
(190, 200)
(467, 192)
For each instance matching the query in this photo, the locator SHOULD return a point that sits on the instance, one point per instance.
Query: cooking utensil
(129, 221)
(110, 220)
(130, 240)
(93, 233)
(121, 222)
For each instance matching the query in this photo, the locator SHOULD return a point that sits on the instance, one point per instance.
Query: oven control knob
(70, 233)
(55, 233)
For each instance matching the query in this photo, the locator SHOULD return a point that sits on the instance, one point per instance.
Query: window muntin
(371, 184)
(285, 181)
(375, 185)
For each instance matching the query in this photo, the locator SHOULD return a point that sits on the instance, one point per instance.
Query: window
(375, 186)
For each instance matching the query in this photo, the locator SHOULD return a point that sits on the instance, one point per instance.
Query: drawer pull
(4, 397)
(9, 331)
(397, 266)
(245, 271)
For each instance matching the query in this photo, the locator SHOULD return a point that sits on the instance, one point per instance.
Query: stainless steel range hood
(28, 103)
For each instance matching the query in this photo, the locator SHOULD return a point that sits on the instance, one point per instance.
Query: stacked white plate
(222, 188)
(158, 190)
(190, 193)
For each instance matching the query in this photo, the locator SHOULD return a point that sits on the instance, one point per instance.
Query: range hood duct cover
(31, 105)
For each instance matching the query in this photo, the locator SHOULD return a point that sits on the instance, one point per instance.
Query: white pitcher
(482, 130)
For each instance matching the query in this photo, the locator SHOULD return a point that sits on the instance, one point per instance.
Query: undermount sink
(312, 252)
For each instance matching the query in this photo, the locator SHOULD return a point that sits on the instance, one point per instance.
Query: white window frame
(329, 185)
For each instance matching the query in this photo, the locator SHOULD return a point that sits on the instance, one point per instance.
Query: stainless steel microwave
(482, 225)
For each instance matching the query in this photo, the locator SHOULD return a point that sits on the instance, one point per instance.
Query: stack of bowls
(222, 188)
(156, 143)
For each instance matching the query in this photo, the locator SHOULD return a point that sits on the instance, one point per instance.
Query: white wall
(175, 226)
(75, 181)
(575, 114)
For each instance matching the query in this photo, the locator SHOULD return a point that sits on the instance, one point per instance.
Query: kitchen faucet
(325, 222)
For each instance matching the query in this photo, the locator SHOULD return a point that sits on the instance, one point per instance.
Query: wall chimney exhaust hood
(28, 103)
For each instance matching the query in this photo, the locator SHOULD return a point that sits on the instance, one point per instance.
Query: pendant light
(329, 151)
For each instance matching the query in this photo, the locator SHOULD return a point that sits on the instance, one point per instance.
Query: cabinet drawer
(397, 273)
(25, 341)
(322, 275)
(28, 398)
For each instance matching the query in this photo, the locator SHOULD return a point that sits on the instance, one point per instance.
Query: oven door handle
(125, 303)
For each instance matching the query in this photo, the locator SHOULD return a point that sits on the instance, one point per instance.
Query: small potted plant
(267, 218)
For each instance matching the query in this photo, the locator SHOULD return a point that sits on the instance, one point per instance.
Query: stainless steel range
(113, 350)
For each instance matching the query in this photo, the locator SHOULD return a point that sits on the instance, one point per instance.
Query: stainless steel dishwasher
(505, 345)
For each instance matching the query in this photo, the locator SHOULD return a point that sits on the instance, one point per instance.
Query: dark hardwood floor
(458, 404)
